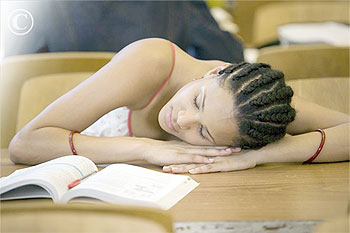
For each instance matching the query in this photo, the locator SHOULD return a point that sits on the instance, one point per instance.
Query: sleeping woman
(156, 103)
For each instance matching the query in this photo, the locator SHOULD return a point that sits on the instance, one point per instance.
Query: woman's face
(201, 113)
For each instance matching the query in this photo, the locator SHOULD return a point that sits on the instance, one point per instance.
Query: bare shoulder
(151, 48)
(156, 50)
(141, 67)
(129, 79)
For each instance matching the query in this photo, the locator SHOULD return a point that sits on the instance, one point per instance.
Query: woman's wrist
(260, 156)
(144, 146)
(140, 148)
(277, 152)
(297, 148)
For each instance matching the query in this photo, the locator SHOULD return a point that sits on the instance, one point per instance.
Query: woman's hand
(179, 152)
(239, 161)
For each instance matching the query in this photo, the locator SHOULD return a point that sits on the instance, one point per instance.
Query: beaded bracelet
(71, 141)
(319, 148)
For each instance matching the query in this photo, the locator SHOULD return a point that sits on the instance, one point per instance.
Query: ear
(216, 70)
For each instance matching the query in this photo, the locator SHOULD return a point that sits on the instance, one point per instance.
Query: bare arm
(297, 148)
(304, 142)
(114, 85)
(129, 79)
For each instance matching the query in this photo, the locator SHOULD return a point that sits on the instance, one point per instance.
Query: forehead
(219, 112)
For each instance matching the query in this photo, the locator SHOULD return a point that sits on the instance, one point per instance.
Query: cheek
(190, 136)
(181, 101)
(184, 93)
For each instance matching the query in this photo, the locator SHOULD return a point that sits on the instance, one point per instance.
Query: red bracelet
(319, 148)
(71, 141)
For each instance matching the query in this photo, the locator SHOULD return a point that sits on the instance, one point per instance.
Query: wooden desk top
(287, 191)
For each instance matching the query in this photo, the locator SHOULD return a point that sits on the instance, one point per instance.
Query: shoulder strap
(166, 80)
(154, 95)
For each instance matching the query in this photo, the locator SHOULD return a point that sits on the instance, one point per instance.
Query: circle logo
(20, 22)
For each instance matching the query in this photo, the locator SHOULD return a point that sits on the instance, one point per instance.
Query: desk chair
(243, 12)
(16, 69)
(339, 225)
(307, 61)
(38, 92)
(269, 16)
(332, 92)
(44, 216)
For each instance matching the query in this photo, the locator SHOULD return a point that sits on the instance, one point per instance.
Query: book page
(129, 182)
(54, 176)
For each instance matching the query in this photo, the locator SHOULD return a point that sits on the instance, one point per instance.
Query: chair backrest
(16, 69)
(38, 92)
(44, 216)
(332, 92)
(243, 13)
(307, 61)
(269, 16)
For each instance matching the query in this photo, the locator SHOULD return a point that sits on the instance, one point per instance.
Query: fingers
(212, 151)
(236, 149)
(189, 159)
(207, 168)
(232, 163)
(186, 145)
(192, 168)
(181, 168)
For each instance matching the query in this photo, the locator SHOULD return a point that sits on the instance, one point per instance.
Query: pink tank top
(154, 95)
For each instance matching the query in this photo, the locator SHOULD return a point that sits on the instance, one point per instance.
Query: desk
(287, 191)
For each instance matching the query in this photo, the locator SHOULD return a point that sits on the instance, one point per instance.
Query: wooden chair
(332, 92)
(243, 12)
(269, 16)
(307, 61)
(38, 92)
(44, 216)
(16, 69)
(337, 224)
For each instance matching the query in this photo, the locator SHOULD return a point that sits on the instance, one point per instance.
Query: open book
(117, 183)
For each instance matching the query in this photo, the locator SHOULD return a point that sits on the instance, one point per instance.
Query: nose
(186, 119)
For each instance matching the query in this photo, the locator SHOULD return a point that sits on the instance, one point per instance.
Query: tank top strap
(166, 80)
(159, 89)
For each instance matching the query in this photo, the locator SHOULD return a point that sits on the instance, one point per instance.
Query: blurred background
(205, 29)
(48, 47)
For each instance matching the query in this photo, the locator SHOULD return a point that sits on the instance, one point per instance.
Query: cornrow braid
(263, 102)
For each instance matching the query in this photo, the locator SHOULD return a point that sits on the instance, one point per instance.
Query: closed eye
(195, 102)
(201, 126)
(201, 132)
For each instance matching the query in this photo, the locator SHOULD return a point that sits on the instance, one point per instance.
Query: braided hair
(262, 100)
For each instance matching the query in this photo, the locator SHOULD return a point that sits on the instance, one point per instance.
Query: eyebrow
(202, 109)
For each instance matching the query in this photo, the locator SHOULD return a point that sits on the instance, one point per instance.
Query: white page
(334, 33)
(26, 191)
(131, 182)
(54, 175)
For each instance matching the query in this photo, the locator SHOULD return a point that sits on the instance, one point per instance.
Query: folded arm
(126, 80)
(304, 140)
(129, 79)
(299, 146)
